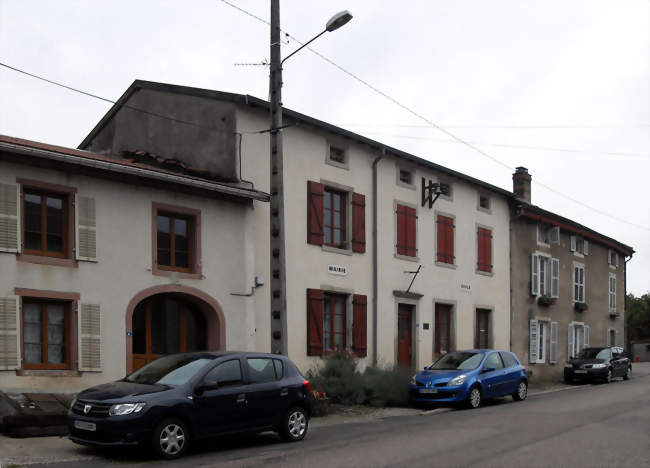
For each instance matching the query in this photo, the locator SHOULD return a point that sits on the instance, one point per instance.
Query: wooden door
(404, 338)
(482, 328)
(443, 329)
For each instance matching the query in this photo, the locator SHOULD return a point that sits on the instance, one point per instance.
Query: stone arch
(215, 319)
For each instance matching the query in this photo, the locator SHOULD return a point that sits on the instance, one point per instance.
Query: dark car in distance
(184, 397)
(602, 363)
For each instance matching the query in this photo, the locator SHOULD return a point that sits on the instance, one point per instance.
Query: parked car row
(181, 398)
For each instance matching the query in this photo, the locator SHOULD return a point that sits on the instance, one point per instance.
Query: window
(612, 258)
(334, 321)
(579, 245)
(493, 360)
(508, 359)
(484, 240)
(578, 283)
(548, 234)
(406, 177)
(261, 370)
(225, 374)
(484, 202)
(46, 334)
(279, 368)
(578, 339)
(445, 188)
(611, 337)
(46, 223)
(337, 155)
(540, 343)
(176, 241)
(442, 342)
(406, 231)
(334, 217)
(612, 293)
(445, 240)
(482, 339)
(545, 276)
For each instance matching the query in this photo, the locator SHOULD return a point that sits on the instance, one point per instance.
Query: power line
(514, 127)
(431, 123)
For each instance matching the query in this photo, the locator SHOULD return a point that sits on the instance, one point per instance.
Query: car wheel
(522, 391)
(170, 439)
(608, 378)
(295, 424)
(628, 373)
(474, 398)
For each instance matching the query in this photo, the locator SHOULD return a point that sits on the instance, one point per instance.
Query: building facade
(568, 286)
(107, 264)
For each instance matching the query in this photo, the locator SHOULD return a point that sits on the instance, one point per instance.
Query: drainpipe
(626, 335)
(375, 286)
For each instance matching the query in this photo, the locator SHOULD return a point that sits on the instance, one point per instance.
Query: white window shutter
(555, 277)
(585, 247)
(534, 275)
(554, 235)
(616, 259)
(585, 338)
(9, 218)
(552, 357)
(573, 243)
(9, 333)
(569, 342)
(533, 336)
(90, 338)
(86, 229)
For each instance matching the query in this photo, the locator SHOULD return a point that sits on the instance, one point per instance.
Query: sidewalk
(59, 449)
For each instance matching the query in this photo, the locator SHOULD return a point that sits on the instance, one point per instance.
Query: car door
(220, 399)
(511, 375)
(492, 380)
(619, 363)
(265, 392)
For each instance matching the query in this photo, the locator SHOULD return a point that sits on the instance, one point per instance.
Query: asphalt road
(600, 425)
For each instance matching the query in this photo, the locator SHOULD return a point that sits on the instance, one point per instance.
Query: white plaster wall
(230, 233)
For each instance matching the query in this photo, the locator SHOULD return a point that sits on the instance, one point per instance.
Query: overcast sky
(523, 80)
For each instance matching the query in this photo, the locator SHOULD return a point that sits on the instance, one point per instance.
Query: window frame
(194, 269)
(542, 334)
(344, 148)
(581, 286)
(482, 195)
(612, 293)
(68, 335)
(328, 295)
(329, 191)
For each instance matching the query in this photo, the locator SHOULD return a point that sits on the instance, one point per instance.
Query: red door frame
(405, 312)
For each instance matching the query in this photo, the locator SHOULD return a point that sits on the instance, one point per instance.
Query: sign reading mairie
(337, 270)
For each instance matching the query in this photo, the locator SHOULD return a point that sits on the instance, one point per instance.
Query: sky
(560, 87)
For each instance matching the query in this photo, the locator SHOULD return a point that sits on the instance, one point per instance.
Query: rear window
(508, 359)
(261, 370)
(279, 369)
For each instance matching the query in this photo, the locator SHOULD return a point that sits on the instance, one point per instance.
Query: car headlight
(568, 366)
(126, 408)
(459, 380)
(598, 366)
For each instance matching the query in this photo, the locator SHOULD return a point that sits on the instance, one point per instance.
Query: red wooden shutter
(358, 223)
(445, 239)
(314, 213)
(401, 230)
(359, 327)
(488, 250)
(314, 322)
(484, 239)
(411, 225)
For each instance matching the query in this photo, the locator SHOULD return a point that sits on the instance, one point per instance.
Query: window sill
(484, 273)
(48, 373)
(405, 185)
(340, 165)
(484, 210)
(451, 266)
(329, 248)
(43, 260)
(178, 274)
(578, 254)
(406, 257)
(543, 244)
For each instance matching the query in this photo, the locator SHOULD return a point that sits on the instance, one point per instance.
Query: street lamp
(277, 237)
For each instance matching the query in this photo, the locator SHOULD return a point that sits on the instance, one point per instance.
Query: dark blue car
(470, 377)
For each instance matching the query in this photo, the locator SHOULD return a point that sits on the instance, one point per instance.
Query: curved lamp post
(277, 245)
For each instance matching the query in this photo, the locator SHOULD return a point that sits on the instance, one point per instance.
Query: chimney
(521, 183)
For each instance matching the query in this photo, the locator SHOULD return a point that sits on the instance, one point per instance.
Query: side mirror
(488, 369)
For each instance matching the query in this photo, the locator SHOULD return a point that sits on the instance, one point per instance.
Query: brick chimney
(521, 183)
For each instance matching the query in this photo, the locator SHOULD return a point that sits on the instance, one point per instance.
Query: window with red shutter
(406, 220)
(359, 325)
(314, 213)
(358, 223)
(484, 240)
(315, 300)
(445, 234)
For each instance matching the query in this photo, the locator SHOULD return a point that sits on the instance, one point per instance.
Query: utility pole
(278, 266)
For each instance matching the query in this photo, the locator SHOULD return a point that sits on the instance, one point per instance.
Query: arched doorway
(171, 319)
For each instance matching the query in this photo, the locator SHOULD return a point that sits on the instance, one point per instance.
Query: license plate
(428, 390)
(580, 372)
(86, 426)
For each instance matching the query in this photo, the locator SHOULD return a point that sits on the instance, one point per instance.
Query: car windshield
(594, 353)
(168, 370)
(461, 360)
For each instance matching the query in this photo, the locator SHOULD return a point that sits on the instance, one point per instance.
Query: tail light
(306, 386)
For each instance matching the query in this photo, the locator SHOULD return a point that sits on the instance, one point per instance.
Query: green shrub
(387, 387)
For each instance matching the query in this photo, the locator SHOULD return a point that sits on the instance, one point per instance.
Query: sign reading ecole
(338, 270)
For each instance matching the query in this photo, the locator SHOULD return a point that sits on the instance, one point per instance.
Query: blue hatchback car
(470, 377)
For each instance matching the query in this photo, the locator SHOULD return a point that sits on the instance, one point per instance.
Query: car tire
(608, 377)
(170, 439)
(628, 373)
(295, 424)
(522, 391)
(474, 398)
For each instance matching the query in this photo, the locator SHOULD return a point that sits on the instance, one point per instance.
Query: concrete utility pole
(278, 267)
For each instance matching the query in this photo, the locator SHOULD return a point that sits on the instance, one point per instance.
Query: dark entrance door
(404, 340)
(166, 324)
(443, 329)
(482, 328)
